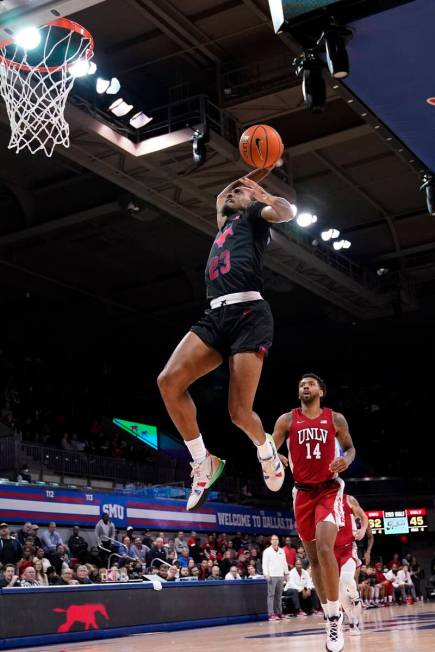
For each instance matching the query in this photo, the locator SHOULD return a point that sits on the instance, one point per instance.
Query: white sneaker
(354, 629)
(334, 637)
(273, 468)
(204, 476)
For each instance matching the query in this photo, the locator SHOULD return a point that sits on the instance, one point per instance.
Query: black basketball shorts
(237, 328)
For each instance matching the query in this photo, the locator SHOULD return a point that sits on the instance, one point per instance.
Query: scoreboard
(404, 521)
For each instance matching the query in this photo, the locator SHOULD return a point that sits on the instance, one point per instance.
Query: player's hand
(283, 459)
(338, 465)
(267, 578)
(259, 193)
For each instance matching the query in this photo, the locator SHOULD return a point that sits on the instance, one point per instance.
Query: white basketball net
(36, 94)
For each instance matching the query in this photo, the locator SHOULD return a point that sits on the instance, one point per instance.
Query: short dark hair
(321, 382)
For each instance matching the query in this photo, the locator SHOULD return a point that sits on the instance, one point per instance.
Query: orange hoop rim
(63, 23)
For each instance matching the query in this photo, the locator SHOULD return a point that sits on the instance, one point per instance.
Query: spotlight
(28, 38)
(120, 108)
(102, 85)
(382, 271)
(335, 38)
(306, 219)
(313, 85)
(81, 68)
(428, 186)
(199, 150)
(139, 120)
(109, 86)
(341, 244)
(330, 234)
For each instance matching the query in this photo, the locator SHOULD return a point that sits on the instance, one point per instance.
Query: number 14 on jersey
(315, 452)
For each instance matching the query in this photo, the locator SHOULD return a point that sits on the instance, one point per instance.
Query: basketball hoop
(35, 84)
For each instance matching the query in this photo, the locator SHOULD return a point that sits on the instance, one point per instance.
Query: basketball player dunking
(311, 433)
(238, 327)
(346, 554)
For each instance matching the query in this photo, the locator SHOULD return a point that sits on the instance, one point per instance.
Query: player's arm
(370, 542)
(342, 433)
(278, 209)
(358, 512)
(281, 428)
(255, 175)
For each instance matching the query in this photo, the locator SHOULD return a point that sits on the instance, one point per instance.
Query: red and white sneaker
(273, 468)
(274, 617)
(204, 476)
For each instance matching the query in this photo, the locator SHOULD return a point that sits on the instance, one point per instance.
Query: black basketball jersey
(235, 262)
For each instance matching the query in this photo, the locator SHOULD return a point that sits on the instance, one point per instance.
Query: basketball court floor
(404, 629)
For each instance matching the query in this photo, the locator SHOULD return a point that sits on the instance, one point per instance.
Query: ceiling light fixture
(310, 66)
(335, 38)
(428, 186)
(120, 108)
(306, 219)
(330, 234)
(139, 120)
(341, 244)
(28, 38)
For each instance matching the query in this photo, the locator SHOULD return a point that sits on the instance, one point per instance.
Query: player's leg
(349, 596)
(191, 359)
(245, 371)
(326, 534)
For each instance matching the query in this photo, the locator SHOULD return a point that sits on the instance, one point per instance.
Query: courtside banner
(68, 506)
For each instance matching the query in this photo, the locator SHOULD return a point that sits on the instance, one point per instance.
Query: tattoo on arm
(343, 436)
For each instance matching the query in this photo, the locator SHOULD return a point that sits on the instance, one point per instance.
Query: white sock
(325, 609)
(333, 608)
(265, 450)
(197, 449)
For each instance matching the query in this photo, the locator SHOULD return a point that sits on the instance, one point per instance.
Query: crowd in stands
(30, 557)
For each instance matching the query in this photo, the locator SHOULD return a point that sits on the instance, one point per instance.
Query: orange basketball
(261, 146)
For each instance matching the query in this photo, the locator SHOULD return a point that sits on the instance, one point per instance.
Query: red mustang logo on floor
(220, 240)
(81, 613)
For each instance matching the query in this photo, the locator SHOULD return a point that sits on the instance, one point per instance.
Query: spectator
(157, 551)
(417, 575)
(194, 573)
(147, 539)
(300, 580)
(195, 550)
(66, 578)
(24, 474)
(226, 562)
(93, 572)
(9, 578)
(171, 556)
(255, 560)
(395, 560)
(204, 570)
(130, 533)
(40, 555)
(215, 573)
(24, 532)
(184, 558)
(102, 575)
(123, 574)
(77, 545)
(406, 584)
(28, 577)
(65, 443)
(184, 573)
(53, 577)
(383, 589)
(275, 570)
(104, 532)
(37, 543)
(252, 573)
(27, 558)
(233, 574)
(180, 543)
(139, 551)
(237, 540)
(51, 539)
(10, 549)
(290, 553)
(114, 575)
(41, 575)
(83, 575)
(172, 574)
(301, 554)
(163, 572)
(192, 538)
(60, 559)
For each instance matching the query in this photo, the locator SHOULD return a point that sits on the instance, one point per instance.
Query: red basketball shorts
(343, 554)
(315, 506)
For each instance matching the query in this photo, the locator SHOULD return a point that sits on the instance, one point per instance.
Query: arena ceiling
(65, 233)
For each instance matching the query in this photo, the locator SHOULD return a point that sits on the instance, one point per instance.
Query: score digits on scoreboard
(403, 521)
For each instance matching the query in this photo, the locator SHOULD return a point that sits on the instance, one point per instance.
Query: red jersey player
(311, 432)
(346, 553)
